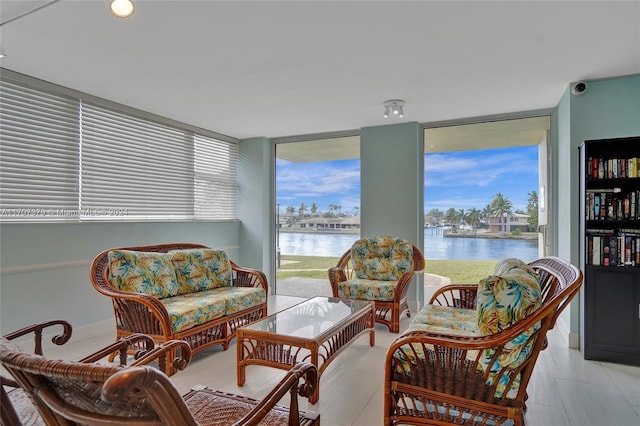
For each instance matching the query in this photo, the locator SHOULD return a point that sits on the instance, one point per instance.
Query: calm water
(436, 246)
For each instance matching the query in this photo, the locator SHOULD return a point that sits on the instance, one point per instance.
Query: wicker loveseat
(179, 291)
(378, 269)
(468, 355)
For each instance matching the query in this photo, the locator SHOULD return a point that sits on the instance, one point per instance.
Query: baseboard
(572, 340)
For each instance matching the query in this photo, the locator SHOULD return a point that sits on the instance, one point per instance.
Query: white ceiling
(273, 69)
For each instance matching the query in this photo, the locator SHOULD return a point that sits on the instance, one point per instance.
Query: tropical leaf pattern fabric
(201, 269)
(381, 258)
(367, 289)
(142, 272)
(448, 320)
(189, 310)
(508, 296)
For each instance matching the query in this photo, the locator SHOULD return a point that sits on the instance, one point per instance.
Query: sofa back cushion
(507, 296)
(142, 272)
(201, 269)
(381, 258)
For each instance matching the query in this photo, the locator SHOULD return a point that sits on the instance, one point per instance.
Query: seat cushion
(192, 309)
(239, 298)
(367, 289)
(189, 310)
(201, 269)
(142, 272)
(381, 258)
(447, 320)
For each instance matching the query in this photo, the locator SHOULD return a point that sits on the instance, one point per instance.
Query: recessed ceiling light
(122, 8)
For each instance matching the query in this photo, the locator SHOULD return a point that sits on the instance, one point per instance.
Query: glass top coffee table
(315, 331)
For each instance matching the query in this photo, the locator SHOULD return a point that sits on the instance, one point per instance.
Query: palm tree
(301, 210)
(532, 210)
(501, 207)
(314, 209)
(451, 216)
(290, 211)
(472, 217)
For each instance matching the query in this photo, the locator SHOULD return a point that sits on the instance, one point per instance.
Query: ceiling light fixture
(122, 8)
(395, 107)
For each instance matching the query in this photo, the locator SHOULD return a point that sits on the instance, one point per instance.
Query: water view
(436, 246)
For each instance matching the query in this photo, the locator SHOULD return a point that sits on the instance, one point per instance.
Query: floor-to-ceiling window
(485, 196)
(317, 211)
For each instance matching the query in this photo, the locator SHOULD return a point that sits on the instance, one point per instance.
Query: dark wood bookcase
(610, 249)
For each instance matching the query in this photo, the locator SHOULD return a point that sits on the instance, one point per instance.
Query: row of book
(612, 204)
(611, 248)
(612, 168)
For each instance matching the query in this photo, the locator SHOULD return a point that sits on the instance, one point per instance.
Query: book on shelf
(613, 168)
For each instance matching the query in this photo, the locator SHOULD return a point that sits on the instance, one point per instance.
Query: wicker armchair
(17, 406)
(443, 382)
(389, 305)
(88, 393)
(143, 313)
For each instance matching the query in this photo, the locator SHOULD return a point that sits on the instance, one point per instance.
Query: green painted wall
(45, 266)
(392, 186)
(609, 108)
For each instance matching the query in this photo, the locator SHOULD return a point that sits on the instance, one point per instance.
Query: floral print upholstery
(367, 290)
(201, 269)
(240, 298)
(142, 272)
(512, 293)
(504, 299)
(194, 285)
(189, 310)
(444, 319)
(381, 258)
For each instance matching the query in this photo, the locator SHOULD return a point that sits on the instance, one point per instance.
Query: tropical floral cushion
(201, 269)
(512, 293)
(189, 310)
(381, 258)
(506, 297)
(239, 298)
(447, 320)
(367, 289)
(142, 272)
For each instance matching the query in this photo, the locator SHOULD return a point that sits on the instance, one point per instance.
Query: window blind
(38, 154)
(67, 158)
(133, 167)
(216, 178)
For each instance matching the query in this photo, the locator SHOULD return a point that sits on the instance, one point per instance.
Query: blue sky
(461, 180)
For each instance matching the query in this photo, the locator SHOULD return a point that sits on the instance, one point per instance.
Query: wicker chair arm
(139, 341)
(178, 351)
(336, 276)
(290, 383)
(248, 277)
(37, 329)
(456, 295)
(162, 395)
(156, 310)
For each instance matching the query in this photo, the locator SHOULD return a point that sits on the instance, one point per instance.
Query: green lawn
(460, 271)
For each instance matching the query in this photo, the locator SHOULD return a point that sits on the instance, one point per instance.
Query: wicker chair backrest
(66, 391)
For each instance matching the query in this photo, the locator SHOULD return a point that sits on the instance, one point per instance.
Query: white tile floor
(565, 389)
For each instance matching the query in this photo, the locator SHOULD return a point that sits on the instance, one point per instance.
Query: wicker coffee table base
(283, 351)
